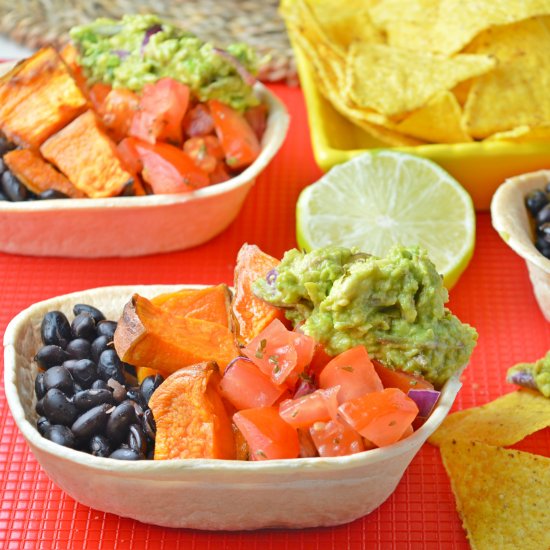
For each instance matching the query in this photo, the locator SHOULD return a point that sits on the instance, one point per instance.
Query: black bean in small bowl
(520, 213)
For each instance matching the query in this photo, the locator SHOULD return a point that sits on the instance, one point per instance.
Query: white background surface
(11, 50)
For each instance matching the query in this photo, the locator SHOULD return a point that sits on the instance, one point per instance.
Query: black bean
(51, 356)
(39, 407)
(126, 454)
(5, 145)
(39, 388)
(13, 188)
(79, 348)
(130, 369)
(135, 394)
(58, 409)
(148, 424)
(119, 422)
(55, 329)
(151, 453)
(2, 196)
(91, 422)
(119, 390)
(60, 378)
(535, 201)
(61, 435)
(83, 326)
(99, 446)
(43, 425)
(86, 399)
(106, 328)
(49, 194)
(101, 385)
(149, 385)
(94, 312)
(136, 439)
(77, 388)
(99, 345)
(109, 366)
(84, 372)
(543, 215)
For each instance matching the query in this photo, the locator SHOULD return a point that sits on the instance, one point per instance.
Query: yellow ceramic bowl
(479, 167)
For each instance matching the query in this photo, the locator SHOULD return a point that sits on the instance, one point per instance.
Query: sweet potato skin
(38, 97)
(88, 157)
(38, 175)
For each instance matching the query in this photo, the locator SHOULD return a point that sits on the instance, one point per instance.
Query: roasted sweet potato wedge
(88, 157)
(190, 416)
(38, 97)
(148, 336)
(210, 304)
(251, 314)
(38, 175)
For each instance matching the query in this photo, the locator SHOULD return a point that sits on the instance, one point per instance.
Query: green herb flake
(347, 368)
(261, 348)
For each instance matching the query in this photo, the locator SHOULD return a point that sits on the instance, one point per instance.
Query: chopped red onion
(522, 378)
(233, 361)
(121, 54)
(239, 67)
(425, 400)
(304, 387)
(271, 276)
(147, 36)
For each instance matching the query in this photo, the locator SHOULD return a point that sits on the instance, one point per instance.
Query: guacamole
(394, 306)
(141, 49)
(532, 375)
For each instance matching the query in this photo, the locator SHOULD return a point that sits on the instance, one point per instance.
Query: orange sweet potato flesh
(190, 416)
(37, 174)
(251, 313)
(147, 336)
(38, 97)
(212, 304)
(88, 157)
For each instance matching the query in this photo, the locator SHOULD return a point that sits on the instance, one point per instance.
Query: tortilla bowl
(135, 226)
(510, 218)
(200, 493)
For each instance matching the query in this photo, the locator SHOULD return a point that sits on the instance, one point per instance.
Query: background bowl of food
(137, 161)
(430, 83)
(519, 213)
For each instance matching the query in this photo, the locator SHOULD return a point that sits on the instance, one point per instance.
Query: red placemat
(494, 295)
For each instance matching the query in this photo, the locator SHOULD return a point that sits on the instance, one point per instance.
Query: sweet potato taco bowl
(202, 493)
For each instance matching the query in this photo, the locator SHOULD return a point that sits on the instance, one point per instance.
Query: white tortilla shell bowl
(511, 219)
(135, 226)
(200, 493)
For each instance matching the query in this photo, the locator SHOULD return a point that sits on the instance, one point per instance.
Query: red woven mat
(494, 295)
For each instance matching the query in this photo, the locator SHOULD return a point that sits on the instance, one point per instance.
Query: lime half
(383, 198)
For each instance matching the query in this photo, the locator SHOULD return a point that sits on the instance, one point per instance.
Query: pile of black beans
(538, 204)
(11, 189)
(87, 398)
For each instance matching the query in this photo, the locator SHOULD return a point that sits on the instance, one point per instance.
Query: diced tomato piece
(409, 430)
(382, 417)
(353, 371)
(319, 361)
(238, 140)
(129, 155)
(220, 174)
(307, 446)
(118, 110)
(97, 94)
(162, 107)
(246, 387)
(198, 121)
(305, 346)
(168, 169)
(335, 438)
(267, 434)
(257, 118)
(206, 151)
(399, 379)
(318, 406)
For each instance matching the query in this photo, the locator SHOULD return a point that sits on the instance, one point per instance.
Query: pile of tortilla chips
(430, 71)
(502, 495)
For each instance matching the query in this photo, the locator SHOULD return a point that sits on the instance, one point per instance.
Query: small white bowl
(135, 226)
(200, 493)
(511, 220)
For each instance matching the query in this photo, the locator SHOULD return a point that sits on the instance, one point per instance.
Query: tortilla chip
(447, 26)
(504, 421)
(516, 92)
(440, 121)
(408, 79)
(523, 134)
(501, 495)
